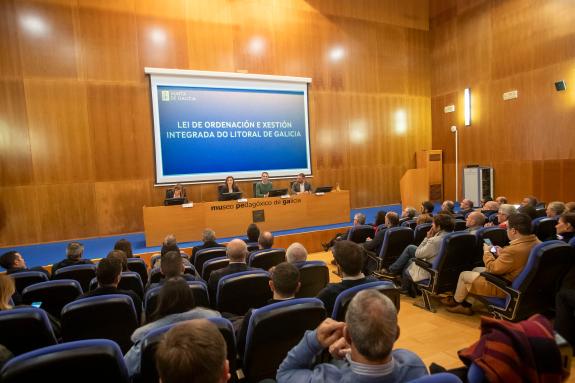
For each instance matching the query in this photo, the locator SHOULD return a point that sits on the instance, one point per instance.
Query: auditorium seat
(454, 257)
(420, 232)
(156, 273)
(267, 258)
(213, 264)
(460, 225)
(199, 290)
(239, 292)
(106, 316)
(544, 228)
(88, 361)
(540, 212)
(275, 329)
(130, 281)
(313, 277)
(25, 329)
(252, 246)
(52, 294)
(205, 254)
(342, 301)
(154, 259)
(497, 236)
(27, 278)
(396, 239)
(409, 223)
(360, 233)
(139, 266)
(80, 273)
(534, 289)
(148, 371)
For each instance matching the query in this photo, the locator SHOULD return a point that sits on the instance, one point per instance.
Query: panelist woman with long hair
(228, 187)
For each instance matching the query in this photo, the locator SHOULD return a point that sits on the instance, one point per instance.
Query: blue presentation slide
(207, 130)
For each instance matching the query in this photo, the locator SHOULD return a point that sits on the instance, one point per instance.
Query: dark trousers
(565, 315)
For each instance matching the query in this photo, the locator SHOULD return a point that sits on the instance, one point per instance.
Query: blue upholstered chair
(206, 254)
(87, 361)
(544, 228)
(411, 223)
(313, 277)
(80, 273)
(266, 258)
(130, 281)
(497, 236)
(106, 316)
(342, 301)
(267, 345)
(534, 289)
(460, 225)
(420, 232)
(457, 253)
(212, 265)
(27, 278)
(360, 233)
(25, 329)
(53, 295)
(239, 292)
(139, 266)
(396, 239)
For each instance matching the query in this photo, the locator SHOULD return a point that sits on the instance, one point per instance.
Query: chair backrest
(155, 259)
(420, 232)
(106, 316)
(149, 345)
(139, 266)
(199, 290)
(53, 294)
(342, 301)
(313, 277)
(497, 236)
(267, 258)
(267, 345)
(359, 233)
(239, 292)
(396, 239)
(27, 278)
(213, 264)
(25, 329)
(252, 246)
(88, 361)
(541, 278)
(540, 212)
(206, 254)
(411, 223)
(544, 228)
(131, 281)
(459, 225)
(80, 273)
(456, 254)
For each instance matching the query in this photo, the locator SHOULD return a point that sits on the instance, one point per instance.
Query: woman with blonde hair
(7, 289)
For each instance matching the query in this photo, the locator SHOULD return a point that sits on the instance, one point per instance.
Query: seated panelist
(301, 185)
(177, 192)
(228, 187)
(264, 186)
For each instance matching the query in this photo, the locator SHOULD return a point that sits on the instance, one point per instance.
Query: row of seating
(112, 317)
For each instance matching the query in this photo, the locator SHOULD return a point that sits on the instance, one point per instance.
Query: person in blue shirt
(362, 347)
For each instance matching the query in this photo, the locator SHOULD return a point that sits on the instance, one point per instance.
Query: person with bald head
(490, 208)
(296, 254)
(236, 251)
(265, 240)
(465, 207)
(474, 221)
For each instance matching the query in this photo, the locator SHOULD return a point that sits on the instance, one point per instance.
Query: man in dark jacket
(74, 253)
(13, 262)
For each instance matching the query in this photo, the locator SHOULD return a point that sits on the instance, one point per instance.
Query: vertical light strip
(467, 106)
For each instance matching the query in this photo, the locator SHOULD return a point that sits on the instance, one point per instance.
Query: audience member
(193, 351)
(171, 244)
(284, 284)
(253, 233)
(108, 274)
(209, 241)
(7, 290)
(171, 267)
(530, 201)
(503, 214)
(448, 207)
(349, 258)
(358, 219)
(555, 209)
(175, 304)
(565, 227)
(570, 207)
(489, 208)
(506, 262)
(409, 213)
(74, 252)
(13, 262)
(236, 252)
(427, 207)
(365, 341)
(379, 219)
(466, 207)
(296, 253)
(120, 256)
(484, 200)
(301, 185)
(529, 210)
(423, 218)
(266, 240)
(475, 221)
(126, 247)
(501, 200)
(427, 250)
(374, 245)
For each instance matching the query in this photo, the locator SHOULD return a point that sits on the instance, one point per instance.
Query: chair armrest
(424, 264)
(498, 281)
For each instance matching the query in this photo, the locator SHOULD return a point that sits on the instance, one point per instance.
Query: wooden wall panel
(75, 108)
(495, 47)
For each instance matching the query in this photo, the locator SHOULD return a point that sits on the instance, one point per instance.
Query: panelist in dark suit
(301, 185)
(177, 192)
(237, 251)
(228, 187)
